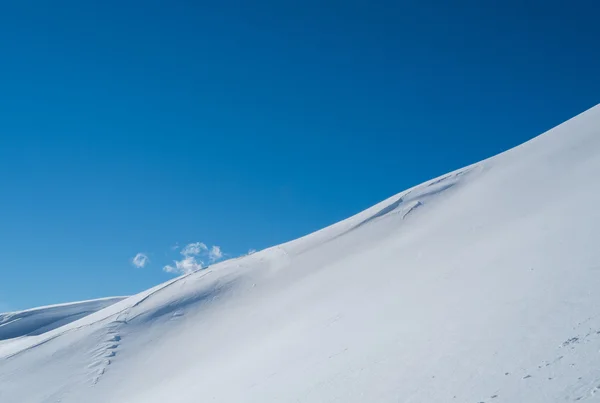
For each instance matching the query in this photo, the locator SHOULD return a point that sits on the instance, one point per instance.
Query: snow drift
(33, 322)
(478, 286)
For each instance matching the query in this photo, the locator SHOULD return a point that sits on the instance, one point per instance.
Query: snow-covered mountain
(40, 320)
(482, 285)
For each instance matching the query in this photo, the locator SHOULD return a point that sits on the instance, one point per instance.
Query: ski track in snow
(120, 316)
(104, 353)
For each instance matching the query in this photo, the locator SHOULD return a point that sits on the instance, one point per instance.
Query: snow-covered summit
(478, 286)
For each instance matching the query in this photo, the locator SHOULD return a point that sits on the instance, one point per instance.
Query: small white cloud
(194, 249)
(140, 260)
(251, 251)
(215, 253)
(184, 266)
(192, 253)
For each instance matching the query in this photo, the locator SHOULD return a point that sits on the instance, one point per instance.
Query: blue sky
(130, 126)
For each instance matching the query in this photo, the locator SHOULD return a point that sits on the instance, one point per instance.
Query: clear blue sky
(131, 126)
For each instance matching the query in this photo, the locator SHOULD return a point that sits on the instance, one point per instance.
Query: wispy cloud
(194, 249)
(140, 260)
(251, 251)
(192, 254)
(184, 266)
(215, 253)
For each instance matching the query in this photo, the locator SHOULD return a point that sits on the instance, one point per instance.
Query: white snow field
(40, 320)
(479, 286)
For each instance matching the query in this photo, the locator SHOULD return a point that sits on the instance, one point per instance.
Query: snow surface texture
(33, 322)
(479, 286)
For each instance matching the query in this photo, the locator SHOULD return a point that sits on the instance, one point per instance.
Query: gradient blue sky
(132, 126)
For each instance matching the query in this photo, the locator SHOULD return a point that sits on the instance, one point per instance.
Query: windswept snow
(33, 322)
(478, 286)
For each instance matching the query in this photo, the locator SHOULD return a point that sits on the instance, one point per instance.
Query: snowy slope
(40, 320)
(478, 286)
